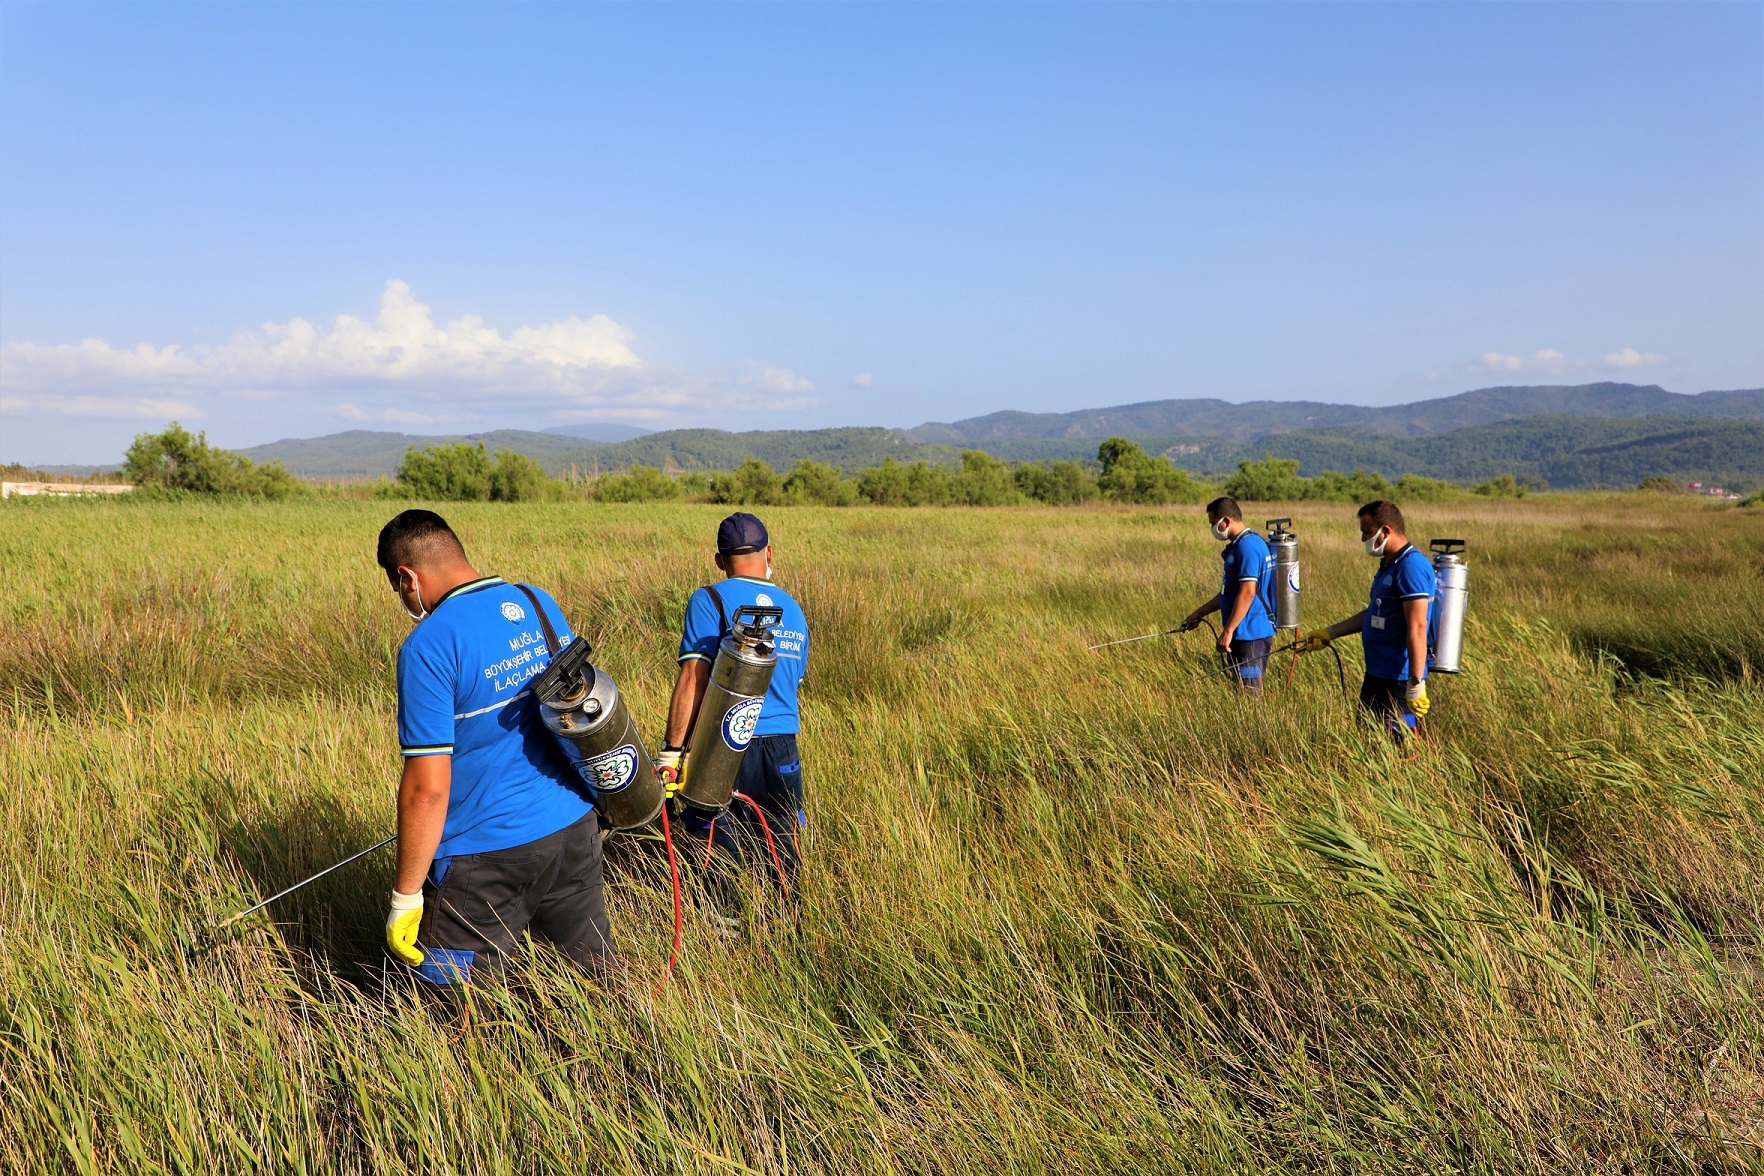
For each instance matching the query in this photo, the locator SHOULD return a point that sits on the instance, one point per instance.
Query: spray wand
(231, 919)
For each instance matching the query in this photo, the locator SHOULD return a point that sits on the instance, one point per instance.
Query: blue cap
(741, 534)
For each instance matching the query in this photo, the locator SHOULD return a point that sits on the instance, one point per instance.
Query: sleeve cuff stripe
(686, 657)
(438, 749)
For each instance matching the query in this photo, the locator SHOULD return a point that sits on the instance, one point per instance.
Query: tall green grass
(1061, 911)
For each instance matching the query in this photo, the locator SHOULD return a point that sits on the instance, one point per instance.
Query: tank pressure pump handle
(1279, 526)
(757, 616)
(568, 675)
(1446, 546)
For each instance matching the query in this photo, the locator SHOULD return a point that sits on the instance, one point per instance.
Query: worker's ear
(722, 562)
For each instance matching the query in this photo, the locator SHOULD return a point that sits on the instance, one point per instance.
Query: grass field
(1061, 911)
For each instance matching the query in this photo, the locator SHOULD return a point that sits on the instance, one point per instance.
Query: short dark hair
(1225, 508)
(414, 537)
(1384, 514)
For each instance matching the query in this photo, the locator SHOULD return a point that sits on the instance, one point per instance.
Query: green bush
(1755, 498)
(1129, 474)
(1359, 486)
(640, 483)
(1273, 479)
(1057, 483)
(1660, 484)
(518, 478)
(918, 484)
(753, 483)
(1415, 488)
(178, 460)
(695, 486)
(455, 472)
(1505, 486)
(816, 483)
(983, 480)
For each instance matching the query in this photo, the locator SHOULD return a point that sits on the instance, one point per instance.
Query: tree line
(176, 462)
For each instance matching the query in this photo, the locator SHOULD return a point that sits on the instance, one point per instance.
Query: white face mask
(1375, 546)
(417, 591)
(768, 569)
(1222, 531)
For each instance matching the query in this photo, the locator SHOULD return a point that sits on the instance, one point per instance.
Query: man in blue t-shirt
(771, 769)
(494, 835)
(1242, 603)
(1395, 623)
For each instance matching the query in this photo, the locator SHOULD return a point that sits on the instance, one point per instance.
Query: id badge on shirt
(1378, 622)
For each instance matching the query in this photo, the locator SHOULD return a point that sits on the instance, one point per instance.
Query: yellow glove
(1417, 697)
(670, 765)
(1315, 641)
(402, 924)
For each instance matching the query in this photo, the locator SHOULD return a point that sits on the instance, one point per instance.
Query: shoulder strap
(722, 613)
(544, 621)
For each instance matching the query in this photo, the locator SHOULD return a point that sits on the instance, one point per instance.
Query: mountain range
(1564, 436)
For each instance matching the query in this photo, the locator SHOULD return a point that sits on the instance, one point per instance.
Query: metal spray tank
(730, 709)
(582, 706)
(1284, 544)
(1451, 595)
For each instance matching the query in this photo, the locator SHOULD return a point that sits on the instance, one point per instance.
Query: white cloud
(861, 380)
(395, 416)
(1547, 361)
(766, 378)
(567, 366)
(116, 407)
(1629, 357)
(402, 343)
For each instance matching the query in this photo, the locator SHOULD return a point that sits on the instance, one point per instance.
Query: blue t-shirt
(462, 676)
(1384, 633)
(704, 631)
(1247, 558)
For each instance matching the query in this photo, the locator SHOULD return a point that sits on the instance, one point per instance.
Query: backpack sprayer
(582, 706)
(730, 709)
(1284, 544)
(1451, 594)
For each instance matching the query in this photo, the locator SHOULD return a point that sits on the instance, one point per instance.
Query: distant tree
(753, 483)
(1505, 486)
(640, 483)
(1660, 484)
(1415, 488)
(1330, 486)
(819, 484)
(1129, 474)
(177, 460)
(1057, 483)
(884, 484)
(455, 472)
(518, 478)
(928, 485)
(1273, 479)
(1755, 498)
(984, 480)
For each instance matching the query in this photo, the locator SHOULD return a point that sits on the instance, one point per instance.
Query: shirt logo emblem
(739, 723)
(513, 611)
(762, 598)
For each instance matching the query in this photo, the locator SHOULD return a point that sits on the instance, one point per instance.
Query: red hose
(679, 907)
(772, 846)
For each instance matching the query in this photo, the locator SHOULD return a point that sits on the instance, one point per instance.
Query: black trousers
(1386, 700)
(771, 776)
(475, 912)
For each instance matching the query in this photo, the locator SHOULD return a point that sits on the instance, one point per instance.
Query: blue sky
(287, 220)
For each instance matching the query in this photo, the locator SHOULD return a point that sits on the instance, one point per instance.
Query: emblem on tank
(739, 723)
(610, 771)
